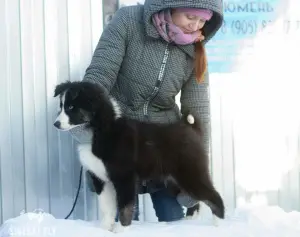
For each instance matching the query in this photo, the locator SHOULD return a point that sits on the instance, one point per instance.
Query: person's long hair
(200, 62)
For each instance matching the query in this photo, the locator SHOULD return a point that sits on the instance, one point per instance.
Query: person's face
(186, 22)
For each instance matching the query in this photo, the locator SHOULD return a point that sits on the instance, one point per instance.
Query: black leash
(75, 201)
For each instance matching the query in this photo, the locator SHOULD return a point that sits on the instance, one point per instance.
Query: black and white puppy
(124, 150)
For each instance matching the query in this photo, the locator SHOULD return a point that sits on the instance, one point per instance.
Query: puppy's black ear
(60, 88)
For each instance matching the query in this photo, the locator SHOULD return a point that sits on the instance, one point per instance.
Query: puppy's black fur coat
(132, 150)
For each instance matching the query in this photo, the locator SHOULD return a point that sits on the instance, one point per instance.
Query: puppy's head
(76, 104)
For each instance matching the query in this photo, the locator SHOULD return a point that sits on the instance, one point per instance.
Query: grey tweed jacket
(144, 73)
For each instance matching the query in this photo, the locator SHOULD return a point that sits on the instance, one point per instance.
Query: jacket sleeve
(110, 51)
(106, 62)
(195, 99)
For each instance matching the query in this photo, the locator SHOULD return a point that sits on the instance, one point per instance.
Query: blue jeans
(165, 205)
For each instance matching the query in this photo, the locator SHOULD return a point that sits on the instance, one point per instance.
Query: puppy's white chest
(91, 162)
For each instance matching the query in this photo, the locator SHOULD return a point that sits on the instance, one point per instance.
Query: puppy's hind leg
(206, 192)
(196, 182)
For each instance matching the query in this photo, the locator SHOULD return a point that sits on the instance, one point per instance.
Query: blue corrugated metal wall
(42, 43)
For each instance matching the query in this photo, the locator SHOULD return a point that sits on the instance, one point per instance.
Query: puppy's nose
(57, 124)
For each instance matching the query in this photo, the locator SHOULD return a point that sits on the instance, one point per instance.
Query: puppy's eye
(70, 107)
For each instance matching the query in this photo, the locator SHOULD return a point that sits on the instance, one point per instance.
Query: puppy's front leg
(107, 206)
(126, 193)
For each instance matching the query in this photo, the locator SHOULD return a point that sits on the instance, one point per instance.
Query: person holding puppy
(146, 55)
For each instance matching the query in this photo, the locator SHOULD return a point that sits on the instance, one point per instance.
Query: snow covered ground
(254, 221)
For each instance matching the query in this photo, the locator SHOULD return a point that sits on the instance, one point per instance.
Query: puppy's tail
(193, 121)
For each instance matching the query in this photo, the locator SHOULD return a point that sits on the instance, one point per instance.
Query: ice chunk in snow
(254, 221)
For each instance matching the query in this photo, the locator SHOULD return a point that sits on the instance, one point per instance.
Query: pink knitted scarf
(171, 33)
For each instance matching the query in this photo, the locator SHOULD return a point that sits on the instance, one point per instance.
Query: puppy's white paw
(107, 224)
(118, 228)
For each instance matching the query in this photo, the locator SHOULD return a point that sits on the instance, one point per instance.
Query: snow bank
(247, 221)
